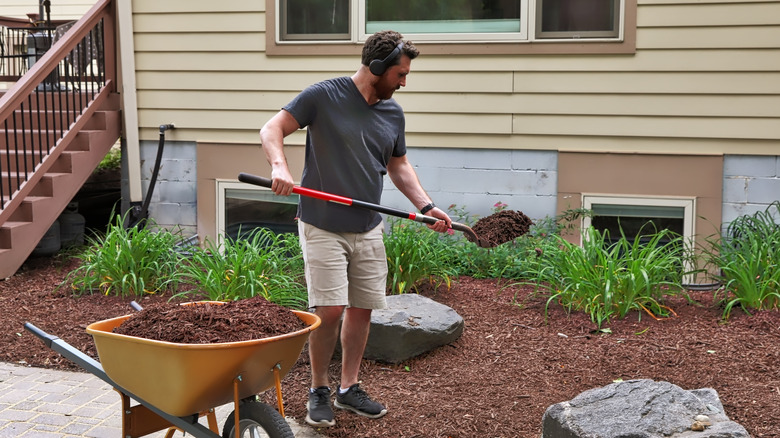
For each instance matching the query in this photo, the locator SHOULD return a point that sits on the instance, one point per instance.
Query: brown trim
(625, 47)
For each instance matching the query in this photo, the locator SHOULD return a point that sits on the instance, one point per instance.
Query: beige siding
(705, 78)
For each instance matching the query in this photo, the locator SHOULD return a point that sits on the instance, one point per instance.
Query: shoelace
(361, 396)
(322, 396)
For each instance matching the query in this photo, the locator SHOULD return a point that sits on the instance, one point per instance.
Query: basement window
(639, 215)
(242, 209)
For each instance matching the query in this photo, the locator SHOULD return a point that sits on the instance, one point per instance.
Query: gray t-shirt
(348, 146)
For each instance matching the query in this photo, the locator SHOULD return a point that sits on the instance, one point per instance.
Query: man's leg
(354, 335)
(322, 343)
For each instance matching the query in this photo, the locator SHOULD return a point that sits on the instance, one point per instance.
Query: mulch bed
(512, 361)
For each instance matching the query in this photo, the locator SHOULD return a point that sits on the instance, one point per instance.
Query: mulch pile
(502, 227)
(210, 323)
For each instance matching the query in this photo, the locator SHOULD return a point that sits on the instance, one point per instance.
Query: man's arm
(272, 137)
(405, 179)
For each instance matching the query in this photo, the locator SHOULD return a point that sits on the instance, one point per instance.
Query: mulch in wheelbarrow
(210, 322)
(501, 227)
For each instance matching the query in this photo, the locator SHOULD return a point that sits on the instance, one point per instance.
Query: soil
(501, 227)
(510, 364)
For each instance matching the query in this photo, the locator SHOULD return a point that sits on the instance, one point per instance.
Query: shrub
(263, 263)
(749, 261)
(416, 254)
(608, 280)
(127, 261)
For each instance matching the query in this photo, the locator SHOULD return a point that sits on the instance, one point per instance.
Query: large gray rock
(640, 409)
(411, 325)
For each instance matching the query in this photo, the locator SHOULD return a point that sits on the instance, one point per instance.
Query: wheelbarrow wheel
(257, 420)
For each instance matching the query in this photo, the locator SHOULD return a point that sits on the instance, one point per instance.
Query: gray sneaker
(319, 413)
(357, 401)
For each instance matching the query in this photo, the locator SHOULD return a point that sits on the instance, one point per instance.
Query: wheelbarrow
(177, 384)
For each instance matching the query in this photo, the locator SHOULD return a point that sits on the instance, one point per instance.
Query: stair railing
(43, 112)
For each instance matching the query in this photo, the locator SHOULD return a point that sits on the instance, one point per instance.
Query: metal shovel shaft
(471, 236)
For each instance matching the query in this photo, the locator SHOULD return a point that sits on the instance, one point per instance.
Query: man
(355, 135)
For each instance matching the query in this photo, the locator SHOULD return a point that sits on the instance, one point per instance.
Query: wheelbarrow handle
(303, 191)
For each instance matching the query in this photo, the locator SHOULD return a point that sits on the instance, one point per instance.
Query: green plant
(112, 160)
(416, 254)
(262, 263)
(608, 280)
(127, 261)
(749, 261)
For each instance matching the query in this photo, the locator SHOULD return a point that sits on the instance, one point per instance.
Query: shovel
(471, 236)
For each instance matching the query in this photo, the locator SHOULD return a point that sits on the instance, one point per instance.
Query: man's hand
(444, 224)
(281, 181)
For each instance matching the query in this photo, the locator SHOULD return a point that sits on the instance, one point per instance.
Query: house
(659, 109)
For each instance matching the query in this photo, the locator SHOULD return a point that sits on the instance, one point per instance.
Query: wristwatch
(427, 208)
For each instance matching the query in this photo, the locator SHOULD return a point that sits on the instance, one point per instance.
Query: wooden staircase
(56, 187)
(56, 124)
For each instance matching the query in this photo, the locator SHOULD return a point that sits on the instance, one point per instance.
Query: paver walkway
(45, 403)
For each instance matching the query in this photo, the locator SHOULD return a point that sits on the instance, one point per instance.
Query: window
(450, 20)
(641, 215)
(240, 210)
(314, 19)
(577, 19)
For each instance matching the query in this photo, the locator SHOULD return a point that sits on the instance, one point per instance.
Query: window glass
(577, 18)
(315, 20)
(246, 210)
(449, 20)
(640, 217)
(443, 16)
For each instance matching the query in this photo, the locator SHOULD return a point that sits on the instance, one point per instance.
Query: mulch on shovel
(208, 323)
(502, 227)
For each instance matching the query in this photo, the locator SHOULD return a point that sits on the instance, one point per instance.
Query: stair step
(33, 141)
(10, 231)
(56, 100)
(51, 120)
(31, 206)
(26, 162)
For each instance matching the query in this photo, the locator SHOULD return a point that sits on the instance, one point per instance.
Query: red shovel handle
(265, 182)
(311, 193)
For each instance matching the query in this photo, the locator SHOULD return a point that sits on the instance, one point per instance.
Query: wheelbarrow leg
(138, 420)
(278, 380)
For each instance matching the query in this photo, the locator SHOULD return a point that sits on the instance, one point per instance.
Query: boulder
(641, 408)
(410, 325)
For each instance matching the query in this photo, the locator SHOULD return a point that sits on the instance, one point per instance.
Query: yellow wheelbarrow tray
(178, 380)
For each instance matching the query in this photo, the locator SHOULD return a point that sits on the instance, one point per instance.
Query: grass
(748, 258)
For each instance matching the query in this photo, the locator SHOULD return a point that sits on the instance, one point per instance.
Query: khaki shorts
(344, 269)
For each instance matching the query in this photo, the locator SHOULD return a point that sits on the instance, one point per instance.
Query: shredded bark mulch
(513, 360)
(501, 227)
(211, 323)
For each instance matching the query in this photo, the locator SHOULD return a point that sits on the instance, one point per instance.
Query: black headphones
(379, 66)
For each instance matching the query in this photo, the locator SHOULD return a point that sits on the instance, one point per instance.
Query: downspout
(138, 216)
(127, 90)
